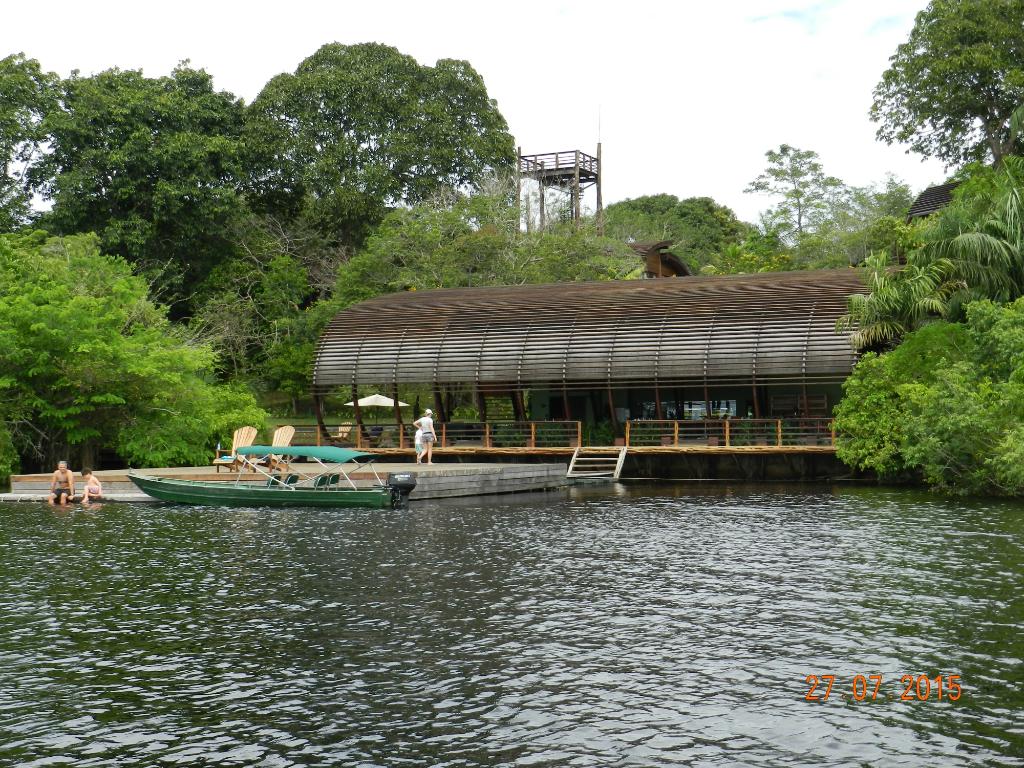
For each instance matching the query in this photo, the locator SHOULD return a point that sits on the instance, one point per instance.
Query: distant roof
(932, 200)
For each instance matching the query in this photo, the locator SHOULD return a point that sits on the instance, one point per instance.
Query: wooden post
(579, 434)
(611, 411)
(726, 433)
(675, 434)
(519, 189)
(318, 411)
(444, 434)
(778, 432)
(398, 411)
(358, 412)
(487, 435)
(576, 213)
(533, 434)
(438, 406)
(627, 433)
(540, 185)
(481, 403)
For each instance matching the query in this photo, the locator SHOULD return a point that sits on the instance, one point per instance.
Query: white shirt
(426, 425)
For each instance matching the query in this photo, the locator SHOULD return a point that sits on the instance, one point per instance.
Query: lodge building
(681, 363)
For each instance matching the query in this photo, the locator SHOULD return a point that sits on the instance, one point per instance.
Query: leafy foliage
(149, 164)
(359, 128)
(89, 361)
(698, 227)
(474, 240)
(974, 249)
(952, 88)
(27, 94)
(807, 193)
(947, 404)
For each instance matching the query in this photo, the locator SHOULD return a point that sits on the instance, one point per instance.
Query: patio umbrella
(377, 401)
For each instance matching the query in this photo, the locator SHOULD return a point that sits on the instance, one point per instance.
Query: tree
(152, 166)
(971, 250)
(463, 240)
(698, 227)
(88, 361)
(360, 128)
(807, 193)
(946, 405)
(896, 304)
(27, 95)
(952, 88)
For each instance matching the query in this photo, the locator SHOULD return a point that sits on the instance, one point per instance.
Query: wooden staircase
(597, 462)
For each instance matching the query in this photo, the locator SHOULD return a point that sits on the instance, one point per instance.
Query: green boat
(322, 480)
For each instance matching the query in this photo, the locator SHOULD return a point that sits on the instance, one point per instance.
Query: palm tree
(974, 250)
(899, 301)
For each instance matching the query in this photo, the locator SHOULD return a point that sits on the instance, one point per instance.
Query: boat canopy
(322, 452)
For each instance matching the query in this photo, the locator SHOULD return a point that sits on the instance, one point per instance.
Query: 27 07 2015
(868, 687)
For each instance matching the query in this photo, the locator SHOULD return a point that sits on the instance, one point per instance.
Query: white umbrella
(377, 401)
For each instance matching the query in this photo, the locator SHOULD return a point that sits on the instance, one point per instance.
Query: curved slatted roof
(770, 327)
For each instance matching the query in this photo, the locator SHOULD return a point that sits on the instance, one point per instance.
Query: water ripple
(630, 626)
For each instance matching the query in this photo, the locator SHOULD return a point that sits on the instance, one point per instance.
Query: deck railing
(731, 433)
(496, 434)
(727, 433)
(556, 161)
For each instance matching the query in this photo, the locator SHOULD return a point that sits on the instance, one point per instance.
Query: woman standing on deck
(426, 424)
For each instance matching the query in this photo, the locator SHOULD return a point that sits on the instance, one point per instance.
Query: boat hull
(230, 494)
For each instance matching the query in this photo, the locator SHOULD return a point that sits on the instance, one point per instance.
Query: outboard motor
(401, 485)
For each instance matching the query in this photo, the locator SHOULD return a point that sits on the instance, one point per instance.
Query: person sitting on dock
(62, 485)
(425, 423)
(93, 490)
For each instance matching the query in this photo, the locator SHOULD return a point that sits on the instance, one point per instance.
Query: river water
(603, 626)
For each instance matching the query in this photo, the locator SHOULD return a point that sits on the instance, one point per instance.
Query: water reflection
(622, 625)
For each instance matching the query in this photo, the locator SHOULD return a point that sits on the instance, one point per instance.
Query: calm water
(643, 626)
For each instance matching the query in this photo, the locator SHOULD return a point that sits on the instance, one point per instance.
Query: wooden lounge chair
(282, 437)
(243, 437)
(343, 436)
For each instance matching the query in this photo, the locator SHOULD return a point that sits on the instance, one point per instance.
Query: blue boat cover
(322, 452)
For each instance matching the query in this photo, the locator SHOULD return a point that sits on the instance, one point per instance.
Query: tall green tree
(807, 193)
(952, 88)
(152, 165)
(27, 95)
(360, 128)
(87, 360)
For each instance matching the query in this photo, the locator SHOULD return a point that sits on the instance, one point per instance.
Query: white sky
(690, 95)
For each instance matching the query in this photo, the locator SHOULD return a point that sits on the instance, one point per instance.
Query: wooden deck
(434, 481)
(721, 450)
